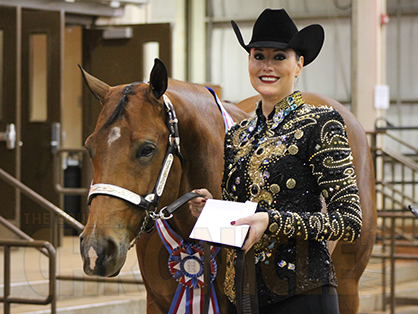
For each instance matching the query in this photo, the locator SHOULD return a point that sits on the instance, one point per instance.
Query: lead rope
(245, 283)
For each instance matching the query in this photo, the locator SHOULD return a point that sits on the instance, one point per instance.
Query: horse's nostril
(111, 249)
(81, 243)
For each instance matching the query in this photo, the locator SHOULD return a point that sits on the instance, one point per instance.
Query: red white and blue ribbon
(186, 265)
(227, 118)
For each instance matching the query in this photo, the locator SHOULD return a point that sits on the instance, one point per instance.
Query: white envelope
(214, 222)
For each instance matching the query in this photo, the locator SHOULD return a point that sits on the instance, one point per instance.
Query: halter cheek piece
(152, 199)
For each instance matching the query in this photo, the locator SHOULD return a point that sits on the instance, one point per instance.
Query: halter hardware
(151, 200)
(160, 214)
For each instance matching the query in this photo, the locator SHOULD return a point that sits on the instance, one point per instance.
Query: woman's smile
(269, 79)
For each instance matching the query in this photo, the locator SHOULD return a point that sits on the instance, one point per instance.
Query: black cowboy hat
(275, 29)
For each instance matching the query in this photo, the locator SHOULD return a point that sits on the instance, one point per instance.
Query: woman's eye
(280, 56)
(259, 56)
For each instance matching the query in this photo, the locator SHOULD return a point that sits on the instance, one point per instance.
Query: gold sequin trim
(291, 183)
(229, 283)
(280, 149)
(298, 134)
(274, 227)
(275, 188)
(293, 149)
(263, 196)
(255, 190)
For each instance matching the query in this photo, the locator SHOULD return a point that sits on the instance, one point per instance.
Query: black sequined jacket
(290, 164)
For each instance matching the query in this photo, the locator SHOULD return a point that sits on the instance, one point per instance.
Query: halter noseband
(152, 199)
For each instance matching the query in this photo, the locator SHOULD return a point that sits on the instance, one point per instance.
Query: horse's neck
(202, 136)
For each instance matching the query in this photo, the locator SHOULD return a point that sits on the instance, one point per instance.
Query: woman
(289, 158)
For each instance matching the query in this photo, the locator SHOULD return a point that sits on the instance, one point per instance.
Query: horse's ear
(96, 86)
(158, 79)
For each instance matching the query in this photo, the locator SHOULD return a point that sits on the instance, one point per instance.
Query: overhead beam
(78, 7)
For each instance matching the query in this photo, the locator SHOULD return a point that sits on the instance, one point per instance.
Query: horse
(350, 259)
(127, 149)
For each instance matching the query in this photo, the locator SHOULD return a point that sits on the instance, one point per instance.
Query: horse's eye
(145, 151)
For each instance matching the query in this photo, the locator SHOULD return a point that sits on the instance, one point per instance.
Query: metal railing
(396, 173)
(44, 203)
(48, 249)
(7, 299)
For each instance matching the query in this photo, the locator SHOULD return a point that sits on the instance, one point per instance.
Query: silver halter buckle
(160, 214)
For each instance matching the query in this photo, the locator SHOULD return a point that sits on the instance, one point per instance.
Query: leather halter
(151, 200)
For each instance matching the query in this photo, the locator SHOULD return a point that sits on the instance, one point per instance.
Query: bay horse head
(132, 149)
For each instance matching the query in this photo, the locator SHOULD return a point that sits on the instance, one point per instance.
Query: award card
(214, 222)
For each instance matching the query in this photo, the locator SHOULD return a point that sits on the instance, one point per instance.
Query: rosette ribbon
(185, 263)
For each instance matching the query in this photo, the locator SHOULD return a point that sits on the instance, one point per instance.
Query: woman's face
(273, 71)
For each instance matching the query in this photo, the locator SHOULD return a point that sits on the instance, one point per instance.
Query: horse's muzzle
(102, 258)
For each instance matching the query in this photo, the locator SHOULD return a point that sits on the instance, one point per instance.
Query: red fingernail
(232, 222)
(204, 200)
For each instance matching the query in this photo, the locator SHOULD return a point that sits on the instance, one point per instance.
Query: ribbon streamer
(186, 265)
(227, 118)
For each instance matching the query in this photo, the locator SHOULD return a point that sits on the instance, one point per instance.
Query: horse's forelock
(121, 107)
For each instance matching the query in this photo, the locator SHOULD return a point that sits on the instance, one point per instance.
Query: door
(8, 104)
(116, 55)
(42, 46)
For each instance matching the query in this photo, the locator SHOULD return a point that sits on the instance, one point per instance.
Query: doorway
(42, 95)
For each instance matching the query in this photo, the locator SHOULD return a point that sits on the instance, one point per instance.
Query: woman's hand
(196, 205)
(258, 224)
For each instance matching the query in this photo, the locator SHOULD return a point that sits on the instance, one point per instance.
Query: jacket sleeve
(331, 163)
